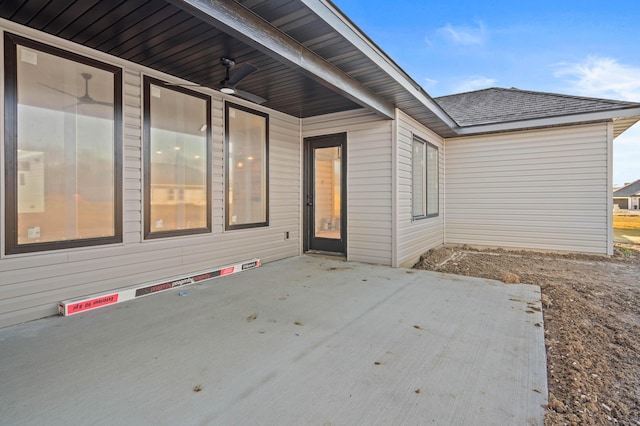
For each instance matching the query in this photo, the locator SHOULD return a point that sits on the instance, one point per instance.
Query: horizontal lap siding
(369, 181)
(31, 285)
(415, 236)
(544, 189)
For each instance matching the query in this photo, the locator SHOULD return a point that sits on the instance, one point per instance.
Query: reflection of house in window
(178, 196)
(30, 181)
(166, 192)
(177, 160)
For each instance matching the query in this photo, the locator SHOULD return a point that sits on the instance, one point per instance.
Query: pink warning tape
(90, 302)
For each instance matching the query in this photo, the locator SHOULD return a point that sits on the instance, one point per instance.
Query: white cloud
(429, 82)
(601, 77)
(464, 35)
(475, 82)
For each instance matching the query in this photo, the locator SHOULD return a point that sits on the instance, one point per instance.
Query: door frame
(310, 143)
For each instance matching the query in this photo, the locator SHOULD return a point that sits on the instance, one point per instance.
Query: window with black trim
(247, 171)
(425, 188)
(63, 148)
(177, 166)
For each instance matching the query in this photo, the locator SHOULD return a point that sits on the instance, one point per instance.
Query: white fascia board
(328, 12)
(548, 122)
(247, 27)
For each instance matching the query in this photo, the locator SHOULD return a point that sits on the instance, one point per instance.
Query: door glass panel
(327, 189)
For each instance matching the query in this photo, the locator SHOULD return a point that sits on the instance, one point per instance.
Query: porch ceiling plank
(143, 26)
(28, 10)
(87, 21)
(242, 24)
(144, 42)
(196, 56)
(175, 39)
(125, 24)
(117, 14)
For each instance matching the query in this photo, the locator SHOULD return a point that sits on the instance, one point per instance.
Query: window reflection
(178, 160)
(327, 190)
(424, 179)
(246, 168)
(65, 149)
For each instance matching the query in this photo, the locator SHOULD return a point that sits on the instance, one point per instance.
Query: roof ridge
(628, 184)
(564, 95)
(467, 92)
(534, 92)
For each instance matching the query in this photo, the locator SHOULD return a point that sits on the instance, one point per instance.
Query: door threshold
(331, 254)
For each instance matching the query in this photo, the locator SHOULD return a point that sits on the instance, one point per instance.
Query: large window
(247, 201)
(177, 133)
(424, 179)
(63, 131)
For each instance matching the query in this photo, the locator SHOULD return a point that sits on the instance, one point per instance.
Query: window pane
(327, 190)
(65, 149)
(418, 178)
(432, 180)
(178, 160)
(246, 168)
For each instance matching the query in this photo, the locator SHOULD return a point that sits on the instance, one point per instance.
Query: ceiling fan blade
(240, 72)
(183, 85)
(103, 103)
(60, 91)
(250, 97)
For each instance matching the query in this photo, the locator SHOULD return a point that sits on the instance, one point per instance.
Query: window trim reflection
(12, 246)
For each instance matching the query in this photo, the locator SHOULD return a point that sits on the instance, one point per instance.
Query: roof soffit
(247, 27)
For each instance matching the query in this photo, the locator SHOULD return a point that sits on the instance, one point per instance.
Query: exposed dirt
(592, 324)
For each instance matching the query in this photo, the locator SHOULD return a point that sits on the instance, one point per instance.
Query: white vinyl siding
(32, 284)
(414, 237)
(369, 177)
(543, 189)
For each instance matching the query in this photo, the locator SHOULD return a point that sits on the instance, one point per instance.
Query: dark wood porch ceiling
(165, 37)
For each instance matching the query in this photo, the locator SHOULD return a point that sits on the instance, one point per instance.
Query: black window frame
(426, 144)
(11, 41)
(227, 226)
(146, 143)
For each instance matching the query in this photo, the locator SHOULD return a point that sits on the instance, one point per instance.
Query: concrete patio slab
(306, 340)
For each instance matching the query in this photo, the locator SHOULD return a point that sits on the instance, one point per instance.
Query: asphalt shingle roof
(498, 105)
(628, 190)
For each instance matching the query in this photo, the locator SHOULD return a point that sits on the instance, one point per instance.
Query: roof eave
(327, 11)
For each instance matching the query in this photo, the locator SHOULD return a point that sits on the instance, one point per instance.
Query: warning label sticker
(93, 303)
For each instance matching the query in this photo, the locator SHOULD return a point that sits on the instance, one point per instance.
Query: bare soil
(591, 319)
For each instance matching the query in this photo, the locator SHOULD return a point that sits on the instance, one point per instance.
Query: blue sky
(587, 48)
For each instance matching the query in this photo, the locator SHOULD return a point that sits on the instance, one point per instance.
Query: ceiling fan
(85, 99)
(228, 85)
(231, 80)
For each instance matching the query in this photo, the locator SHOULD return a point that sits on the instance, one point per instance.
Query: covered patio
(306, 340)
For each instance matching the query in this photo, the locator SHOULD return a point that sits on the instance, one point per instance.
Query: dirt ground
(591, 319)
